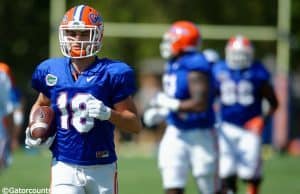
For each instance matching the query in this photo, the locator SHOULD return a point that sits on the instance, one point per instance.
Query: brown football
(41, 125)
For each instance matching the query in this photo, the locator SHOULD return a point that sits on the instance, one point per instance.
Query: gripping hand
(31, 143)
(154, 116)
(255, 125)
(163, 100)
(96, 109)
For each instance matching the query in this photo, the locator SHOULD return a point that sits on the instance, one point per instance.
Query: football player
(186, 101)
(242, 83)
(18, 106)
(91, 96)
(6, 109)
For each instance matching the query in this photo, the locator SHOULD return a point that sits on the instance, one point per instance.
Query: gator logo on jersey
(51, 80)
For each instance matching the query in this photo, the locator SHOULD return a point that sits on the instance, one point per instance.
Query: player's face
(77, 35)
(78, 40)
(166, 50)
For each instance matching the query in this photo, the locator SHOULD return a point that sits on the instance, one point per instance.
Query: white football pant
(181, 150)
(240, 152)
(74, 179)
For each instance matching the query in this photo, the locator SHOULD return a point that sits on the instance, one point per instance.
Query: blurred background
(133, 31)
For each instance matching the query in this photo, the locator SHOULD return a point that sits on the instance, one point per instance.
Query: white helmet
(239, 52)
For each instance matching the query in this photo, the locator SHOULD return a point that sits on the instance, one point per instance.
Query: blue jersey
(240, 91)
(175, 84)
(107, 80)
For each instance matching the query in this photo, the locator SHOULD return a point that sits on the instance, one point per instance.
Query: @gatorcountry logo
(51, 80)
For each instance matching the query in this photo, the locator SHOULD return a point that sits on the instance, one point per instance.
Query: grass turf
(139, 174)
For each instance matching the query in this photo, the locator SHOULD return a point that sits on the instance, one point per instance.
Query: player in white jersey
(6, 109)
(189, 141)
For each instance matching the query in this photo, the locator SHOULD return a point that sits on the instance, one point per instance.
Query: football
(41, 125)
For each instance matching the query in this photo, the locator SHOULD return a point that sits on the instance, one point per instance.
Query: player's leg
(203, 149)
(5, 157)
(67, 189)
(2, 153)
(173, 161)
(253, 186)
(66, 179)
(102, 179)
(175, 191)
(249, 169)
(228, 136)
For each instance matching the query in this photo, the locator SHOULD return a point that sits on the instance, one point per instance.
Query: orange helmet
(182, 36)
(6, 69)
(239, 52)
(80, 19)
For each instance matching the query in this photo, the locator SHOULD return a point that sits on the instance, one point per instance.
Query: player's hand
(163, 100)
(255, 125)
(154, 116)
(96, 109)
(31, 143)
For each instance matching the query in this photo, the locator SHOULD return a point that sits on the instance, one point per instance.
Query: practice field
(139, 174)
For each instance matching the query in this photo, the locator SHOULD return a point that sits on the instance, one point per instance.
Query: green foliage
(221, 12)
(25, 27)
(24, 36)
(24, 41)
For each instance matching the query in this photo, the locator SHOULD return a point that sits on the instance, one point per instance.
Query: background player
(6, 109)
(242, 84)
(189, 139)
(18, 107)
(90, 97)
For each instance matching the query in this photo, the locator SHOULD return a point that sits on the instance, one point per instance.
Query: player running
(189, 140)
(91, 96)
(242, 84)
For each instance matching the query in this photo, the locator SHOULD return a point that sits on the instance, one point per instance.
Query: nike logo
(88, 79)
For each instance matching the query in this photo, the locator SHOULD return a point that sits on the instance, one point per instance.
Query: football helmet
(182, 36)
(239, 52)
(85, 22)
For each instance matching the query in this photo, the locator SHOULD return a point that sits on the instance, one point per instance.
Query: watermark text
(20, 190)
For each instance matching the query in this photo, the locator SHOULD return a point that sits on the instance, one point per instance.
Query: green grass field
(139, 174)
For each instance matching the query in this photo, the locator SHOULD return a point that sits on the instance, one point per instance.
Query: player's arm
(9, 124)
(257, 123)
(199, 88)
(198, 85)
(268, 93)
(41, 100)
(124, 116)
